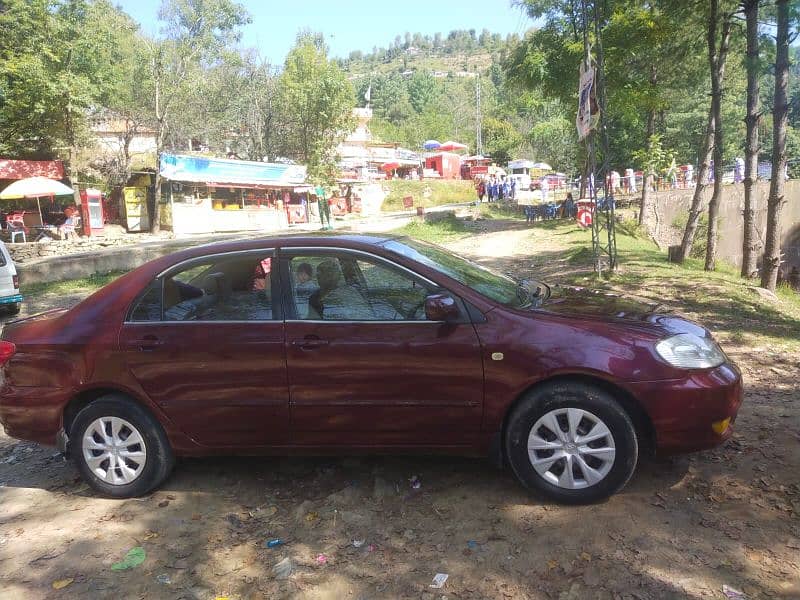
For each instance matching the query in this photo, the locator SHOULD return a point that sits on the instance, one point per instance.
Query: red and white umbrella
(451, 146)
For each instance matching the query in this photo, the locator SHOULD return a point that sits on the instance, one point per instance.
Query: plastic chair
(16, 230)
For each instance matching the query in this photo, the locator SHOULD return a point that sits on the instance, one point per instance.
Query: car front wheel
(572, 442)
(119, 448)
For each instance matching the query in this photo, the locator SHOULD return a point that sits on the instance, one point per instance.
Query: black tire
(562, 395)
(159, 458)
(13, 309)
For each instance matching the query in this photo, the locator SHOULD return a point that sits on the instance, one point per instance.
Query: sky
(353, 24)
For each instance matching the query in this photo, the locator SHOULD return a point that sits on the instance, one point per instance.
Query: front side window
(221, 288)
(343, 287)
(487, 282)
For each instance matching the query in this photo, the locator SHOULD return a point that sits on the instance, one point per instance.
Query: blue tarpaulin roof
(221, 171)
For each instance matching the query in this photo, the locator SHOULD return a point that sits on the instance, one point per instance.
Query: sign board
(588, 116)
(584, 217)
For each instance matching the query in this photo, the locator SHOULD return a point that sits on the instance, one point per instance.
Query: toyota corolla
(361, 344)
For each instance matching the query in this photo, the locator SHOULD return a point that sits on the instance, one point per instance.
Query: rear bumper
(15, 299)
(32, 413)
(683, 411)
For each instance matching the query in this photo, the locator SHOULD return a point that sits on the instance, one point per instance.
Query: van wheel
(13, 309)
(572, 442)
(119, 448)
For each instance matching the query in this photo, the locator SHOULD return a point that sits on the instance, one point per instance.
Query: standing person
(738, 170)
(513, 188)
(614, 182)
(689, 175)
(630, 177)
(501, 188)
(324, 208)
(544, 187)
(569, 206)
(492, 189)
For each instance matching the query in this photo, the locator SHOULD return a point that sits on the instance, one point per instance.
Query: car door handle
(148, 343)
(310, 343)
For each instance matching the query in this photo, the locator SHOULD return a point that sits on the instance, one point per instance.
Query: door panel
(384, 383)
(204, 344)
(366, 367)
(223, 384)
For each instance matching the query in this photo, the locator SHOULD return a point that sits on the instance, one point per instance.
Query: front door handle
(310, 342)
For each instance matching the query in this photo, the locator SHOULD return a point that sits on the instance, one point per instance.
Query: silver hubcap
(114, 450)
(571, 448)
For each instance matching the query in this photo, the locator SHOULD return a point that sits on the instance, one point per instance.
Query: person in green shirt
(324, 209)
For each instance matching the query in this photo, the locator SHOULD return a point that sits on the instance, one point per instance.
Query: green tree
(500, 139)
(318, 100)
(196, 32)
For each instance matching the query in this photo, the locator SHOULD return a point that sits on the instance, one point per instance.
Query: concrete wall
(674, 205)
(124, 258)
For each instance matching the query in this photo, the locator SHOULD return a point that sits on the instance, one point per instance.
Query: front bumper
(684, 411)
(15, 299)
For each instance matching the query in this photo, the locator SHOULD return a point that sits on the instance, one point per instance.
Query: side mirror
(441, 307)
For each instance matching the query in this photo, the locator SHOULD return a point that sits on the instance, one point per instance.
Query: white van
(10, 298)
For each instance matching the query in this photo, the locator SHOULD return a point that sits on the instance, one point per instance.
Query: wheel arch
(645, 432)
(85, 397)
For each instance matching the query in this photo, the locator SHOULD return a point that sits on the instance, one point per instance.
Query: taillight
(16, 282)
(7, 350)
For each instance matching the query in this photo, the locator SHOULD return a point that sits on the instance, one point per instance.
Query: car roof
(300, 239)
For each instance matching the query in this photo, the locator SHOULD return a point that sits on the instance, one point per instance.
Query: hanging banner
(588, 114)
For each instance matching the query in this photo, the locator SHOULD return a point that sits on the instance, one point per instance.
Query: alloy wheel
(571, 448)
(114, 450)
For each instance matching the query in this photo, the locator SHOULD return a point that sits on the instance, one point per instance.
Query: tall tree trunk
(647, 182)
(706, 149)
(716, 109)
(780, 112)
(750, 245)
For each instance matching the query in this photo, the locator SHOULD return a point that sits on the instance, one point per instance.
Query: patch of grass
(500, 210)
(427, 193)
(87, 285)
(439, 232)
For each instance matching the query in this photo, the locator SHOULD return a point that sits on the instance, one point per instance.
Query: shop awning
(222, 172)
(22, 169)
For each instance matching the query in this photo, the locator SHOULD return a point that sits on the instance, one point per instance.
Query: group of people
(495, 188)
(566, 209)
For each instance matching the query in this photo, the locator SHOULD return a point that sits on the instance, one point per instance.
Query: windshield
(495, 286)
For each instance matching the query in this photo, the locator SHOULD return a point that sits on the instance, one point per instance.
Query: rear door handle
(149, 343)
(310, 343)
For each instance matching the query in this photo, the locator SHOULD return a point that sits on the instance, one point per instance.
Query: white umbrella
(543, 166)
(35, 187)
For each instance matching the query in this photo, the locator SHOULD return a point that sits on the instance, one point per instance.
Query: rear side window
(222, 288)
(148, 308)
(3, 257)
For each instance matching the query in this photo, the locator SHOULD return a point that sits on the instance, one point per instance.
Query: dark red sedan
(360, 344)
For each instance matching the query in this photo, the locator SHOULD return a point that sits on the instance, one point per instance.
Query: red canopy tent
(451, 146)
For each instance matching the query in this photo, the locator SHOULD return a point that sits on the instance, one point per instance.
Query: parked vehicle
(10, 298)
(361, 343)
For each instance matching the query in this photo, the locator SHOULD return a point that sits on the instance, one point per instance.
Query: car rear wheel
(119, 448)
(572, 442)
(14, 308)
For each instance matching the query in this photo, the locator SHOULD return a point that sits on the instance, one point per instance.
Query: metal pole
(479, 136)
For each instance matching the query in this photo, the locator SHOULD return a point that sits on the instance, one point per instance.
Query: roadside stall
(213, 195)
(50, 222)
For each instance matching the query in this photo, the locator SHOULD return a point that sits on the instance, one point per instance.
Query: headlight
(689, 351)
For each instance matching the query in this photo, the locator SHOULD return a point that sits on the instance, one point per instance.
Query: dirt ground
(701, 526)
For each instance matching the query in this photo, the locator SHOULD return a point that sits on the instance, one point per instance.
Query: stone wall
(672, 207)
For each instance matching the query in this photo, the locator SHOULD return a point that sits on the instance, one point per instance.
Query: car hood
(606, 306)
